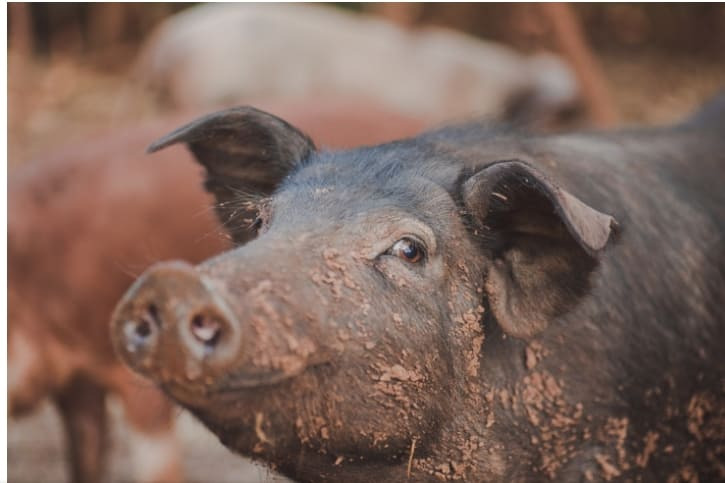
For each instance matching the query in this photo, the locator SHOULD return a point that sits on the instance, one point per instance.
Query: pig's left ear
(544, 243)
(244, 150)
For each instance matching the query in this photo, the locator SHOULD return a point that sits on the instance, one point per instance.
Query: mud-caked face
(351, 325)
(352, 288)
(332, 327)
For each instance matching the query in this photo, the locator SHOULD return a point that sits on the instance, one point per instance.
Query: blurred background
(79, 71)
(76, 67)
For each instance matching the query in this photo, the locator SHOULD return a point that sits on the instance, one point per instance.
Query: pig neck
(466, 447)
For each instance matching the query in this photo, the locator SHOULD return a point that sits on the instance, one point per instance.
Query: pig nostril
(143, 329)
(140, 332)
(153, 313)
(206, 329)
(149, 320)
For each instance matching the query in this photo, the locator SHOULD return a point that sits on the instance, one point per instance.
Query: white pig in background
(213, 54)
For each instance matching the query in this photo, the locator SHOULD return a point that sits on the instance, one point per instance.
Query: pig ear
(245, 151)
(544, 243)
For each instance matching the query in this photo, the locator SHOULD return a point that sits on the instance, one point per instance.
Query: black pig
(473, 303)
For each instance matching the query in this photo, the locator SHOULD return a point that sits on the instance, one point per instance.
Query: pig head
(344, 340)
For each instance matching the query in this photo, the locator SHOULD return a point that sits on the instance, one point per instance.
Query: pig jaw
(338, 408)
(319, 433)
(360, 410)
(341, 379)
(328, 428)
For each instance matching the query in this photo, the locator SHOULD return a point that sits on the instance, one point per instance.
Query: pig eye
(410, 250)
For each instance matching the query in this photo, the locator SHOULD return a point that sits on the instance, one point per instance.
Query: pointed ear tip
(612, 228)
(158, 145)
(596, 247)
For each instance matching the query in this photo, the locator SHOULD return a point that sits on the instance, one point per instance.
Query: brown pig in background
(81, 225)
(475, 303)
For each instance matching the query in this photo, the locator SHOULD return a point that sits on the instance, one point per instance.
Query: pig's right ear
(245, 151)
(544, 244)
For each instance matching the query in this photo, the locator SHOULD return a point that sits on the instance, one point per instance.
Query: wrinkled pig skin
(82, 224)
(561, 318)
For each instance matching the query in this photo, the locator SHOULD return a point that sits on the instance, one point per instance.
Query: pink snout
(171, 321)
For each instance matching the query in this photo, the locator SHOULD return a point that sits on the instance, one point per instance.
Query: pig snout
(173, 323)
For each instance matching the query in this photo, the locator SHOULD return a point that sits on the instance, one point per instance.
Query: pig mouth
(229, 387)
(251, 380)
(289, 367)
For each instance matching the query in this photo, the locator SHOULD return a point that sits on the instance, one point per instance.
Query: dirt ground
(36, 452)
(63, 102)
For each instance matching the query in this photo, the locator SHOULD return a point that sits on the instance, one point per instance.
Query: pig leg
(154, 450)
(82, 406)
(28, 382)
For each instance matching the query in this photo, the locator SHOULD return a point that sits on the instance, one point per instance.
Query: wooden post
(106, 23)
(21, 29)
(404, 14)
(572, 44)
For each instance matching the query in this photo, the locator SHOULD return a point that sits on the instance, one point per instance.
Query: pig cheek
(377, 405)
(386, 421)
(397, 381)
(256, 422)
